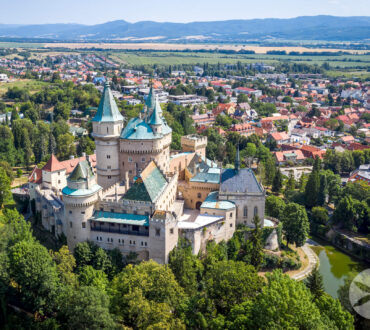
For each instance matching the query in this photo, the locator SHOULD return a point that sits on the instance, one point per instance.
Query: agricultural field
(32, 85)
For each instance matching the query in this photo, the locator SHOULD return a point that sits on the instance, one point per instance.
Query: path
(312, 261)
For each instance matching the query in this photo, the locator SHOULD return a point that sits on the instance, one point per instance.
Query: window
(82, 212)
(58, 173)
(84, 225)
(255, 210)
(199, 195)
(58, 181)
(109, 177)
(101, 239)
(143, 160)
(171, 231)
(109, 167)
(108, 156)
(231, 214)
(146, 244)
(142, 244)
(102, 209)
(130, 159)
(70, 212)
(157, 232)
(231, 224)
(245, 212)
(97, 238)
(70, 224)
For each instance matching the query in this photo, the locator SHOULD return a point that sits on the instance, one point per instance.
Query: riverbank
(335, 266)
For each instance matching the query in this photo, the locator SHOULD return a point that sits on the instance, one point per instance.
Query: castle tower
(155, 121)
(163, 236)
(107, 127)
(194, 143)
(79, 197)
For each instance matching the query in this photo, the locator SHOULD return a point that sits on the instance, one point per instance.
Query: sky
(100, 11)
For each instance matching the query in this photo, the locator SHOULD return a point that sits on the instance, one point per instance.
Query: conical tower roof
(155, 118)
(107, 110)
(150, 100)
(53, 165)
(82, 172)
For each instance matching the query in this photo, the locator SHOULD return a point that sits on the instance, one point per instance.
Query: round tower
(107, 127)
(79, 197)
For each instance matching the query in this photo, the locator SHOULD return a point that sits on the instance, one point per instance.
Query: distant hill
(330, 28)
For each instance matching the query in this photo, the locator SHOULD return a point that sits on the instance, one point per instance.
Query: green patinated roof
(81, 192)
(150, 100)
(212, 202)
(107, 110)
(82, 172)
(155, 118)
(148, 186)
(121, 218)
(137, 129)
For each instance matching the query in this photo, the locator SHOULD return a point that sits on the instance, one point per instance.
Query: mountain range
(330, 28)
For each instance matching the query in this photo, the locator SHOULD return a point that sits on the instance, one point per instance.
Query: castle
(136, 195)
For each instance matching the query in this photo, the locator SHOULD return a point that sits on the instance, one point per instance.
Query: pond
(335, 266)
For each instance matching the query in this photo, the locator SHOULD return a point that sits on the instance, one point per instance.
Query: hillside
(330, 28)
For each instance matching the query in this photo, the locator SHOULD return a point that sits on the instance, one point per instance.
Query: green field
(32, 85)
(171, 58)
(20, 45)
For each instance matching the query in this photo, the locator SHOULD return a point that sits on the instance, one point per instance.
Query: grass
(20, 45)
(32, 85)
(173, 58)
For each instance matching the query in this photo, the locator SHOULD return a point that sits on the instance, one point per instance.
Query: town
(209, 181)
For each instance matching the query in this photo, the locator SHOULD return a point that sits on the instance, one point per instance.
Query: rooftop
(121, 218)
(241, 181)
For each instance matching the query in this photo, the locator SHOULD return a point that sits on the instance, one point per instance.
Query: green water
(335, 266)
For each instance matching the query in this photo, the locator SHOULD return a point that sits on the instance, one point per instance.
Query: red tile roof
(53, 165)
(36, 175)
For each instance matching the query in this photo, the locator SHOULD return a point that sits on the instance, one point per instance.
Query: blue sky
(100, 11)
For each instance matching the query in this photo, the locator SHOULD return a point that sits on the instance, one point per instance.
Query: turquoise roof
(155, 118)
(121, 218)
(81, 192)
(148, 186)
(212, 202)
(206, 177)
(138, 129)
(150, 100)
(107, 110)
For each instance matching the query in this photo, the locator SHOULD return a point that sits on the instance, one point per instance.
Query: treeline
(97, 289)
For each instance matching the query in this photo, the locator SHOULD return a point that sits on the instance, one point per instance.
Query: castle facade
(136, 195)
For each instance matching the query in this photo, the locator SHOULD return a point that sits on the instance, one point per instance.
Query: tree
(186, 267)
(231, 282)
(256, 244)
(295, 224)
(65, 146)
(66, 264)
(290, 184)
(86, 145)
(287, 304)
(62, 111)
(345, 212)
(89, 276)
(35, 274)
(274, 206)
(319, 215)
(312, 189)
(323, 191)
(277, 183)
(315, 283)
(5, 192)
(153, 282)
(85, 308)
(83, 254)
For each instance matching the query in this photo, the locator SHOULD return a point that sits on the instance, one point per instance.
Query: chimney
(127, 182)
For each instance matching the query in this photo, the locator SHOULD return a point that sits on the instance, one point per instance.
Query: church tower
(107, 127)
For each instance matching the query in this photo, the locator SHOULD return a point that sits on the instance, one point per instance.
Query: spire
(155, 118)
(53, 165)
(150, 100)
(237, 160)
(107, 110)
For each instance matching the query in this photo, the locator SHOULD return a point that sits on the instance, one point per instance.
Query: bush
(270, 261)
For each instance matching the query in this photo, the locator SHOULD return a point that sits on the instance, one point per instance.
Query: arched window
(199, 195)
(255, 210)
(245, 212)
